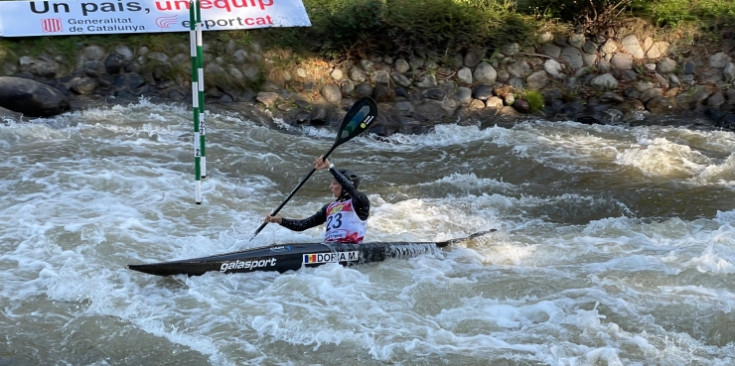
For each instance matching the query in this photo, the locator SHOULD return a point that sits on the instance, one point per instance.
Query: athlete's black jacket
(360, 203)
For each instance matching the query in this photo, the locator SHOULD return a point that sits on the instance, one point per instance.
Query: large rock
(573, 57)
(465, 75)
(719, 60)
(622, 61)
(554, 68)
(605, 81)
(485, 73)
(537, 80)
(6, 115)
(666, 66)
(729, 72)
(331, 93)
(30, 97)
(658, 49)
(633, 47)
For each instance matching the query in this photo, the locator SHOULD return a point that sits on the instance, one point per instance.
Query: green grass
(535, 100)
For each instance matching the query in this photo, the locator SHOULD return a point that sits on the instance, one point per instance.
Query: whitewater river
(615, 245)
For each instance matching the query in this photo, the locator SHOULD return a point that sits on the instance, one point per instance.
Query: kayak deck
(293, 256)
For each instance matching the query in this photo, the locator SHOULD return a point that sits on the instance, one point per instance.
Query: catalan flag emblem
(51, 25)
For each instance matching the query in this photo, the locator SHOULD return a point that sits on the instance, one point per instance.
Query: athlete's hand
(276, 219)
(321, 163)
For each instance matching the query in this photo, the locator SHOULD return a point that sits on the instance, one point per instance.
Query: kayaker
(346, 217)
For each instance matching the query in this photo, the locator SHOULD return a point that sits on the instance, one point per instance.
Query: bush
(453, 24)
(389, 25)
(338, 25)
(535, 100)
(673, 12)
(588, 16)
(595, 15)
(343, 27)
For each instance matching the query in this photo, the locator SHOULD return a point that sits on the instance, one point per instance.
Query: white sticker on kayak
(238, 264)
(332, 257)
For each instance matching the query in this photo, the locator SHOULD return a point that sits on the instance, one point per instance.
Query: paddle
(358, 118)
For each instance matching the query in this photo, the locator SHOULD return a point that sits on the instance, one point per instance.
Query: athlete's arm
(361, 203)
(316, 219)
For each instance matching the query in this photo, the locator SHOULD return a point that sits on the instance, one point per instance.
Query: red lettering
(172, 5)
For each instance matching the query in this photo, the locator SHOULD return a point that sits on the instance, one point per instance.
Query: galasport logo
(331, 257)
(249, 265)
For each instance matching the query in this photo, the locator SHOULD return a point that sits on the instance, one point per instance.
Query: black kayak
(290, 257)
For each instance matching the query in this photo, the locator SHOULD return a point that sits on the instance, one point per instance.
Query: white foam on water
(616, 290)
(663, 158)
(402, 220)
(720, 173)
(441, 136)
(700, 157)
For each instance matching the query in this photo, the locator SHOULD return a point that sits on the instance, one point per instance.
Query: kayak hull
(293, 256)
(288, 257)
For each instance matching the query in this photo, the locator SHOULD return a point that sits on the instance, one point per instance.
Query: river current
(615, 245)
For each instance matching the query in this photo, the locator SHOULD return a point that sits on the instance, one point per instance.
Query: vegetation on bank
(343, 28)
(446, 26)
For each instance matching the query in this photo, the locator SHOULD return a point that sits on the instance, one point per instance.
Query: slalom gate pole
(200, 66)
(198, 140)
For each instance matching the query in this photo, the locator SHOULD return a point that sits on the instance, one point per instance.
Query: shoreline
(596, 81)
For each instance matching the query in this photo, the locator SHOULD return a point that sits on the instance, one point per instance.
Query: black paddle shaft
(358, 118)
(290, 195)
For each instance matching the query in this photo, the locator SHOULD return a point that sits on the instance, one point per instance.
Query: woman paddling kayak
(346, 217)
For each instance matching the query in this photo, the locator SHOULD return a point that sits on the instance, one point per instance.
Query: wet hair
(349, 174)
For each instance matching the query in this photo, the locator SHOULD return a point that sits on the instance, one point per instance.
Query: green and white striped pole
(200, 92)
(197, 92)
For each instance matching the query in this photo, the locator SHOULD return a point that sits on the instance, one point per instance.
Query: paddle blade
(358, 118)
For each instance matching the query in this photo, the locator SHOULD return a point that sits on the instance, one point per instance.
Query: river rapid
(614, 245)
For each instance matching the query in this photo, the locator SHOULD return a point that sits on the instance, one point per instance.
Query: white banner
(56, 18)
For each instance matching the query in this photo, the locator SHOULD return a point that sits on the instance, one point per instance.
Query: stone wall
(627, 80)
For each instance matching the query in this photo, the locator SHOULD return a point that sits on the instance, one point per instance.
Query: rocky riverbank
(626, 80)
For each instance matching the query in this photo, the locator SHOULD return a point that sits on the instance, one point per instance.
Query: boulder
(660, 105)
(728, 72)
(633, 47)
(465, 75)
(719, 60)
(482, 92)
(30, 97)
(537, 80)
(604, 81)
(331, 93)
(658, 49)
(554, 68)
(463, 95)
(666, 66)
(485, 73)
(573, 57)
(400, 79)
(6, 116)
